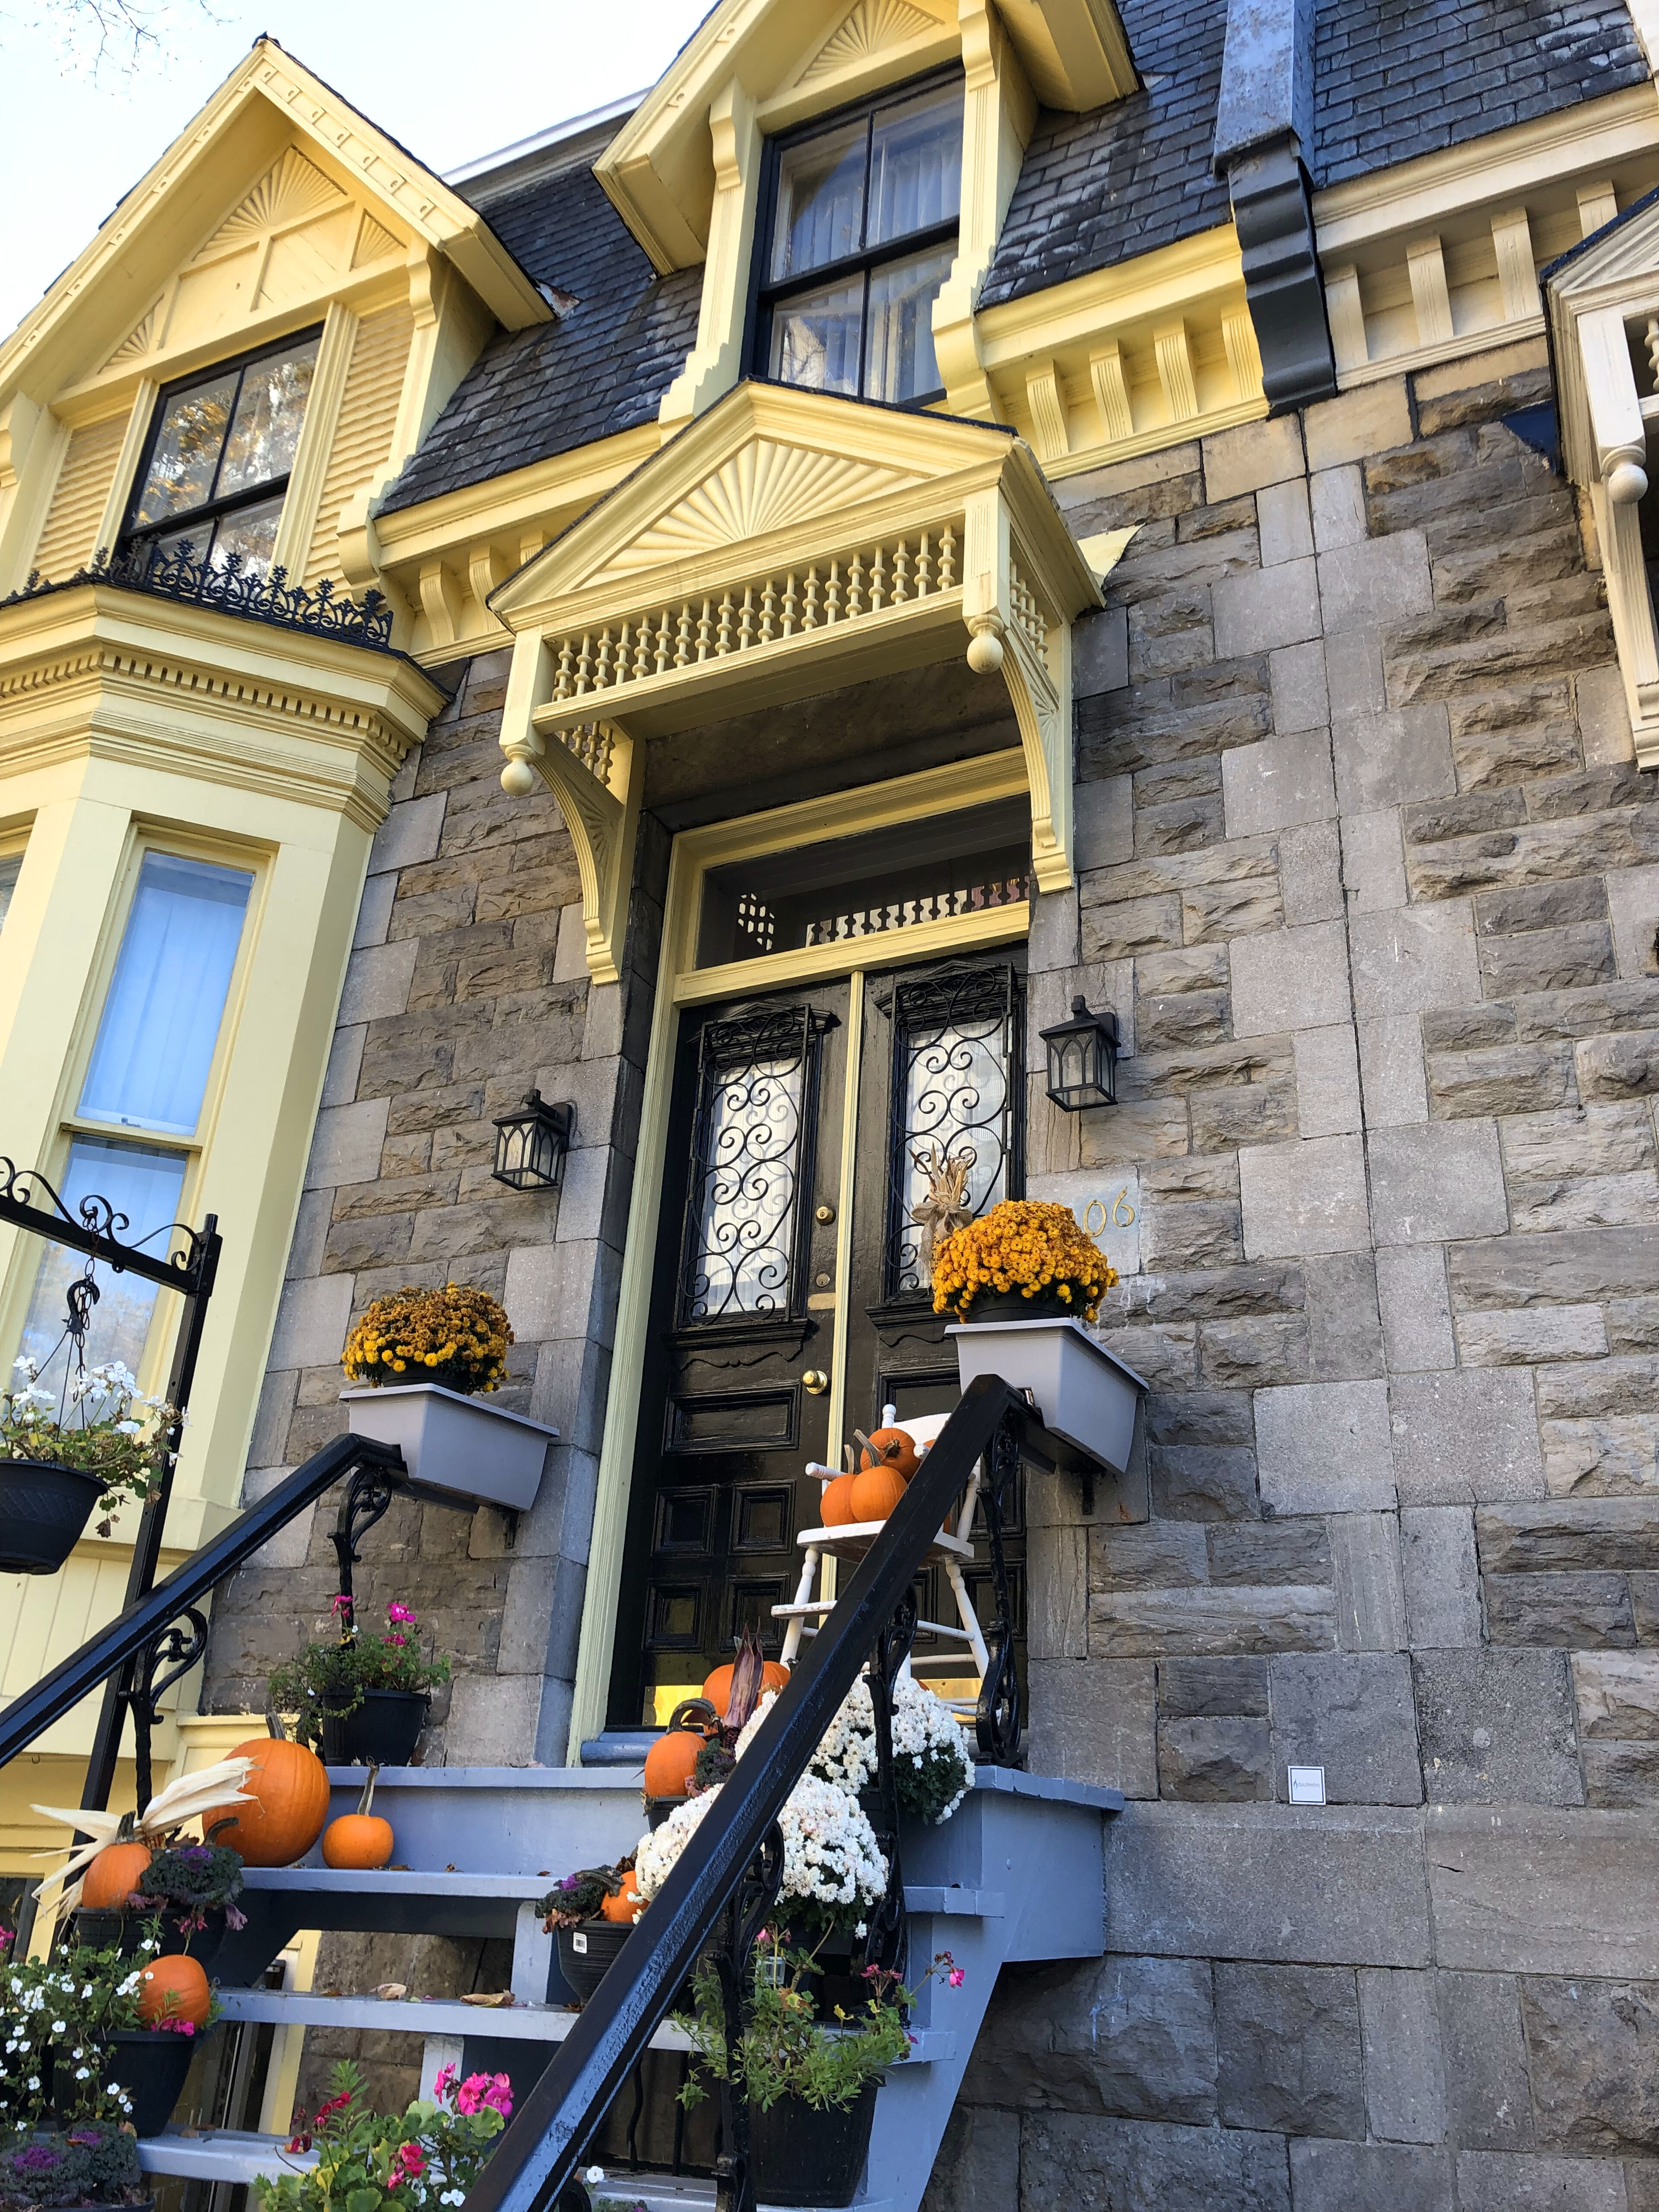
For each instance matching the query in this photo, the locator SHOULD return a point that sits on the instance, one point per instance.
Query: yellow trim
(846, 1206)
(905, 798)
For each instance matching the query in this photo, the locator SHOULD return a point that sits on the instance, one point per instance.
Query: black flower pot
(803, 2156)
(43, 1511)
(1014, 1305)
(126, 1930)
(382, 1731)
(586, 1953)
(150, 2064)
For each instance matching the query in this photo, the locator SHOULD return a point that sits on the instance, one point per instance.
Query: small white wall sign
(1307, 1785)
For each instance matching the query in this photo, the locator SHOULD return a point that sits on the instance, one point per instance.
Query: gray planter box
(448, 1441)
(1083, 1394)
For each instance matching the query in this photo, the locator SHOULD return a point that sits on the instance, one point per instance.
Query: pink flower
(444, 2083)
(399, 1612)
(394, 1639)
(499, 2095)
(412, 2159)
(343, 1603)
(957, 1977)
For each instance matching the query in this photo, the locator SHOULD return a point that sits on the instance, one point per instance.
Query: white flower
(593, 2175)
(656, 1853)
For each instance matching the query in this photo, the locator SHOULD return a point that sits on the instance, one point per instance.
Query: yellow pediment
(872, 27)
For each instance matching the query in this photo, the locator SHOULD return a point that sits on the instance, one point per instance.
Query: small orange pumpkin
(836, 1508)
(672, 1761)
(289, 1787)
(894, 1448)
(876, 1493)
(113, 1875)
(718, 1688)
(627, 1903)
(174, 1987)
(362, 1840)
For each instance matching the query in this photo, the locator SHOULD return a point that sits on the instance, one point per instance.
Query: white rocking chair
(950, 1549)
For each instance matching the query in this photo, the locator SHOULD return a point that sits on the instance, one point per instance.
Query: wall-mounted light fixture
(1083, 1060)
(531, 1145)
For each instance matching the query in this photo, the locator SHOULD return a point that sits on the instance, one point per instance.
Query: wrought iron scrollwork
(369, 1496)
(886, 1943)
(22, 1188)
(231, 587)
(1001, 1714)
(747, 1914)
(957, 1097)
(165, 1660)
(751, 1166)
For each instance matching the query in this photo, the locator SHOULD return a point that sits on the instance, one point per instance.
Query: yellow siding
(368, 415)
(77, 504)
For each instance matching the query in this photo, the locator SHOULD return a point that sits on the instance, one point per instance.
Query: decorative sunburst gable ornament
(140, 340)
(291, 189)
(872, 25)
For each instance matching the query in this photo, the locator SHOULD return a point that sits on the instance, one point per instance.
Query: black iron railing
(162, 1634)
(228, 587)
(733, 1861)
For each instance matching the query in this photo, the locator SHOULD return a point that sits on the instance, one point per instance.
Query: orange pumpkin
(718, 1688)
(113, 1875)
(672, 1761)
(894, 1448)
(289, 1787)
(174, 1987)
(876, 1493)
(363, 1840)
(626, 1904)
(835, 1507)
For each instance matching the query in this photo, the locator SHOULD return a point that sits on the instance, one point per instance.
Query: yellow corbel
(601, 815)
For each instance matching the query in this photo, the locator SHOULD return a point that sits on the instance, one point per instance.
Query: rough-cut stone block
(1594, 2085)
(1303, 1197)
(1252, 456)
(1405, 2075)
(1621, 1774)
(1280, 781)
(1412, 957)
(1570, 1534)
(1380, 581)
(1095, 1720)
(1288, 2045)
(1569, 1267)
(1392, 757)
(1350, 1713)
(1495, 1728)
(1345, 1335)
(1527, 1334)
(1371, 1603)
(1068, 2158)
(1324, 1447)
(1327, 1081)
(1415, 1307)
(1624, 1066)
(1534, 1890)
(1264, 608)
(1359, 425)
(1100, 652)
(1157, 1555)
(410, 834)
(1617, 1694)
(1603, 717)
(1495, 2181)
(1057, 1593)
(1133, 2038)
(1310, 872)
(1469, 1436)
(977, 2168)
(1295, 674)
(1128, 926)
(1442, 1582)
(1345, 2176)
(1221, 1761)
(1336, 1885)
(1103, 827)
(1392, 1070)
(1290, 979)
(1194, 1688)
(1633, 905)
(1576, 1610)
(1488, 2100)
(1438, 1181)
(1240, 1617)
(1284, 530)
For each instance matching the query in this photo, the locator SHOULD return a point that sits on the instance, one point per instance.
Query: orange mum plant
(456, 1336)
(1023, 1246)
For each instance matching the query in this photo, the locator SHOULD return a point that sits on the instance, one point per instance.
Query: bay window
(859, 230)
(220, 451)
(147, 1077)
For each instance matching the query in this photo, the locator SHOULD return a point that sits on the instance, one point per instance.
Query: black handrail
(537, 2156)
(147, 1618)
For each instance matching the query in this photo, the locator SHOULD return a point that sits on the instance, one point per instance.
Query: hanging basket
(804, 2156)
(44, 1508)
(382, 1731)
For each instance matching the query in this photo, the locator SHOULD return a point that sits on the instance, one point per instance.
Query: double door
(810, 1133)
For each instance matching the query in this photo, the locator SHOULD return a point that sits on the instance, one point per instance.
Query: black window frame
(766, 297)
(135, 536)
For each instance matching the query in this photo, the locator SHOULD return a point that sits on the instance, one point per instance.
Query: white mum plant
(932, 1770)
(830, 1855)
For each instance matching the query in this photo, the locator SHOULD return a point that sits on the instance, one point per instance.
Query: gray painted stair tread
(396, 1881)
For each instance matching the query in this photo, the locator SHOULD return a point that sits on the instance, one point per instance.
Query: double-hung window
(220, 453)
(136, 1127)
(859, 231)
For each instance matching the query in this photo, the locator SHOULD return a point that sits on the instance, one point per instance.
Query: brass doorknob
(816, 1382)
(824, 1215)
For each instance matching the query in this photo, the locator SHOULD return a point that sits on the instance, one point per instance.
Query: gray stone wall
(1372, 881)
(469, 983)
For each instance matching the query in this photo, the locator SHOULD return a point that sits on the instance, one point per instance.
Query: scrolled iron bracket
(369, 1496)
(885, 1941)
(756, 1897)
(1001, 1716)
(165, 1660)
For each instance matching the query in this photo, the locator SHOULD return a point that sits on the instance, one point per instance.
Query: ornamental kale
(94, 2163)
(191, 1880)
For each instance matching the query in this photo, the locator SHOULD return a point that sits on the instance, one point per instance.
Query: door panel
(746, 1289)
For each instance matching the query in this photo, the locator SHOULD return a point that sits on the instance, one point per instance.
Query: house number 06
(1120, 1214)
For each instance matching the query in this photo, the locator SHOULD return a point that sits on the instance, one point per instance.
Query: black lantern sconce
(531, 1145)
(1083, 1060)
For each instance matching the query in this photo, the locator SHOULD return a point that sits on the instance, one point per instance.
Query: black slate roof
(601, 368)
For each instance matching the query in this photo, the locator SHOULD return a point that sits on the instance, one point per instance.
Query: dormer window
(859, 231)
(219, 454)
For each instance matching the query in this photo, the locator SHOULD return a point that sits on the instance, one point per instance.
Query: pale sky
(451, 81)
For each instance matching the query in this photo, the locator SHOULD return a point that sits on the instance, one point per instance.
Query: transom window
(219, 454)
(859, 231)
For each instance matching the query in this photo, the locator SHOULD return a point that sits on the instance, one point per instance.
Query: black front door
(747, 1286)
